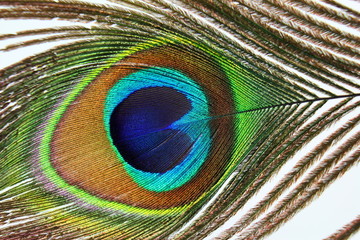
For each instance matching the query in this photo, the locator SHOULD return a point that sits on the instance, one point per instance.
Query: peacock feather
(174, 119)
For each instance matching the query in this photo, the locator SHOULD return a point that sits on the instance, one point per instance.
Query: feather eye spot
(154, 131)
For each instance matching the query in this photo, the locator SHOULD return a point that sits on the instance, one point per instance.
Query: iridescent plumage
(162, 119)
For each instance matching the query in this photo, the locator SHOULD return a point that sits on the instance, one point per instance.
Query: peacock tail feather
(165, 119)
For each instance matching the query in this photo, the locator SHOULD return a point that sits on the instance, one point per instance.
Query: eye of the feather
(154, 131)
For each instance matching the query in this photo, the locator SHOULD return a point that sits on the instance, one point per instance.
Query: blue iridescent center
(140, 129)
(157, 120)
